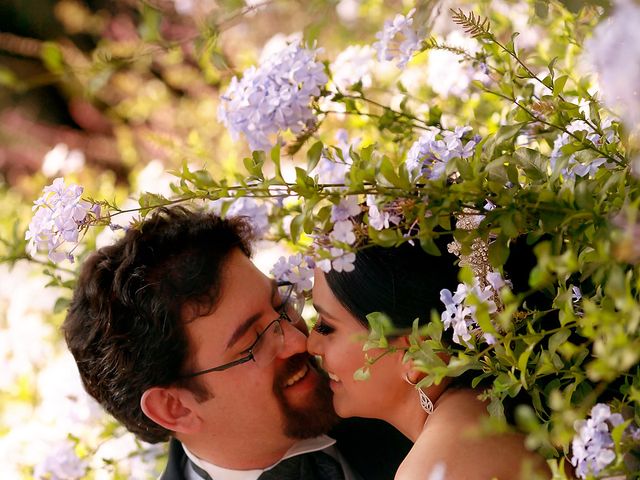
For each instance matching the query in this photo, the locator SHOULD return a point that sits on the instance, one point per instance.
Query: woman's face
(338, 337)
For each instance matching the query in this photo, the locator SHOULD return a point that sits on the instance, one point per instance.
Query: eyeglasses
(270, 341)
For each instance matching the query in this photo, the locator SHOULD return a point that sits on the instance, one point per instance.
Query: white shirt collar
(219, 473)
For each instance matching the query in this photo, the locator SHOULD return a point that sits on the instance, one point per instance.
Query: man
(178, 335)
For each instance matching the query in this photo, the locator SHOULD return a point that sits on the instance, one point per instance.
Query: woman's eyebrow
(322, 311)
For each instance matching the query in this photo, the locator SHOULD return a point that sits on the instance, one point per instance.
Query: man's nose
(295, 341)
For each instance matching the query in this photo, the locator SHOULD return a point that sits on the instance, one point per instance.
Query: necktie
(308, 466)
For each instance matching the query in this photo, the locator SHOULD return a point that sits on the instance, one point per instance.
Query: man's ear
(170, 408)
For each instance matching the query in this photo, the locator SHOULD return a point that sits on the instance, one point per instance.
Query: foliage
(517, 139)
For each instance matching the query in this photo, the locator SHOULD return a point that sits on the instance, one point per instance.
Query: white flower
(343, 232)
(380, 219)
(574, 166)
(59, 214)
(347, 207)
(274, 97)
(342, 261)
(614, 51)
(592, 446)
(295, 269)
(398, 40)
(460, 314)
(448, 73)
(351, 66)
(324, 265)
(432, 151)
(62, 464)
(61, 160)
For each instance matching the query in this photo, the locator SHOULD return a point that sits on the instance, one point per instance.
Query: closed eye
(323, 328)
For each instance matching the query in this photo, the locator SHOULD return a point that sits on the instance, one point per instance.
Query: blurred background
(115, 94)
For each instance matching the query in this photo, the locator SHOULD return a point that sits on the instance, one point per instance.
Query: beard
(315, 418)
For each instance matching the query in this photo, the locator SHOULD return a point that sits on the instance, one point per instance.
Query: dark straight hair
(403, 282)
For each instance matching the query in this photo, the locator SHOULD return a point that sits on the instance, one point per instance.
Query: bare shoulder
(452, 440)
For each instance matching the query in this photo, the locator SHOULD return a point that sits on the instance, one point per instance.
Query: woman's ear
(169, 408)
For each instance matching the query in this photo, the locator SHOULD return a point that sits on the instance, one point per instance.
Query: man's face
(275, 403)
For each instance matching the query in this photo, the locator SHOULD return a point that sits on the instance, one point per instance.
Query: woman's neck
(408, 415)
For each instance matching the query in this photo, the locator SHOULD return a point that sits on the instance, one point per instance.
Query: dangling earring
(425, 401)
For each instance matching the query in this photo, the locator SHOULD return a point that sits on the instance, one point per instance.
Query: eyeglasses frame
(250, 356)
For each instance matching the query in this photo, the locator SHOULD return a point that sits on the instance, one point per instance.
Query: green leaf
(429, 246)
(254, 165)
(313, 155)
(52, 57)
(507, 133)
(558, 85)
(498, 251)
(296, 228)
(558, 339)
(275, 158)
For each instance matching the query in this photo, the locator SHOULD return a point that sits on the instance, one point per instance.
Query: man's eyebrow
(248, 323)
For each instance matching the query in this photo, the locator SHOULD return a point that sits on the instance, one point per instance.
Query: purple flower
(343, 232)
(398, 40)
(274, 97)
(347, 208)
(380, 219)
(295, 269)
(430, 154)
(256, 212)
(460, 314)
(59, 215)
(342, 261)
(593, 445)
(577, 167)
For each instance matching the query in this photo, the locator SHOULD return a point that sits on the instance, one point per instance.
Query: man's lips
(297, 376)
(296, 370)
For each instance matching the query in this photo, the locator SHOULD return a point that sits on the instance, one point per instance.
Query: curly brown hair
(125, 324)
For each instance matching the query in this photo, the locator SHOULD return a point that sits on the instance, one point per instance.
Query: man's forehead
(245, 295)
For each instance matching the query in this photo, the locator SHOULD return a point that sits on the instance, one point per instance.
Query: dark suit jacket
(373, 448)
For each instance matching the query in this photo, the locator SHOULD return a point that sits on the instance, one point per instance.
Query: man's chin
(308, 412)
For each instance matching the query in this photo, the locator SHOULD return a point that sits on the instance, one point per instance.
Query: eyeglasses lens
(271, 342)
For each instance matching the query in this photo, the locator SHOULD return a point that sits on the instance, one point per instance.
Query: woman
(443, 421)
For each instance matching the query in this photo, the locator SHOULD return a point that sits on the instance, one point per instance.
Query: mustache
(293, 365)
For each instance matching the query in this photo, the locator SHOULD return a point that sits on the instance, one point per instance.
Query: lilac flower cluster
(59, 214)
(460, 314)
(274, 97)
(295, 269)
(340, 261)
(593, 445)
(256, 212)
(430, 154)
(342, 225)
(398, 40)
(574, 166)
(380, 218)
